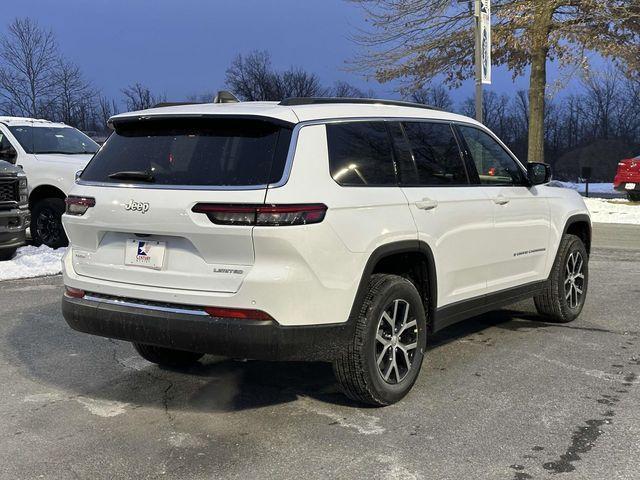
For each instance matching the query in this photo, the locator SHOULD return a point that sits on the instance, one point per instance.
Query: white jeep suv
(313, 229)
(50, 154)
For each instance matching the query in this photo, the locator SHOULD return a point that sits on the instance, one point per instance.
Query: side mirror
(538, 173)
(9, 154)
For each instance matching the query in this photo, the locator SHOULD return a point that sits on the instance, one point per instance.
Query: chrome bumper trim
(158, 308)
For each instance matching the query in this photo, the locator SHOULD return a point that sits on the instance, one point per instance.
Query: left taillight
(262, 215)
(73, 292)
(79, 205)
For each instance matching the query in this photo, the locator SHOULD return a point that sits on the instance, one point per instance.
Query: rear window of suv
(193, 152)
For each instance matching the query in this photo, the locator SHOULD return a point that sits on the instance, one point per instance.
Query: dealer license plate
(139, 253)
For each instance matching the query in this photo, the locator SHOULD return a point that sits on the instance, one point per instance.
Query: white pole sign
(484, 15)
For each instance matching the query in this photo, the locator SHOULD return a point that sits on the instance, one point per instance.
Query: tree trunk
(539, 34)
(537, 91)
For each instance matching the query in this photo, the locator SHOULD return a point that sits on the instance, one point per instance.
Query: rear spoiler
(114, 123)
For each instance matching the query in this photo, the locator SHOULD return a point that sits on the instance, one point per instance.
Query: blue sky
(182, 47)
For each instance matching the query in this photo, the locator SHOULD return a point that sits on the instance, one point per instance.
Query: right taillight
(79, 205)
(263, 215)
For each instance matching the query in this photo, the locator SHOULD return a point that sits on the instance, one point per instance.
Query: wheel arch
(580, 226)
(45, 191)
(412, 259)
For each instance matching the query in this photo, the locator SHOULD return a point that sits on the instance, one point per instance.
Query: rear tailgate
(628, 171)
(145, 182)
(198, 254)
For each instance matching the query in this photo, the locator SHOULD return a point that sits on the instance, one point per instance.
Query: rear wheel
(46, 223)
(381, 363)
(167, 357)
(565, 292)
(633, 196)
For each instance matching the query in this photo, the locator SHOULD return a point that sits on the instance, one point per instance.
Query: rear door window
(360, 154)
(430, 155)
(202, 152)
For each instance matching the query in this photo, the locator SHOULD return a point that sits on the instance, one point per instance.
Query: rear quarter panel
(329, 258)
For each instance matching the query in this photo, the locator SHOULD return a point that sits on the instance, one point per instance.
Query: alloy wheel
(396, 341)
(574, 279)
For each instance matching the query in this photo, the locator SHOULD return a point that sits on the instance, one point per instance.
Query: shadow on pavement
(80, 365)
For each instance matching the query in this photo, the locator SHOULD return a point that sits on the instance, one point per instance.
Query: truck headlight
(23, 189)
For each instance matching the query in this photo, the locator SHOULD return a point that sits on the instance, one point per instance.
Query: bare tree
(296, 82)
(105, 110)
(206, 97)
(29, 57)
(420, 39)
(436, 96)
(140, 97)
(342, 89)
(252, 78)
(76, 95)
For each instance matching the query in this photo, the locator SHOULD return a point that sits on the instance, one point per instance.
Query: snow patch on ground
(103, 408)
(395, 469)
(613, 211)
(185, 440)
(43, 397)
(362, 423)
(581, 187)
(29, 262)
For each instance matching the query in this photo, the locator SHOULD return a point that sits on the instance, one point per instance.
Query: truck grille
(9, 191)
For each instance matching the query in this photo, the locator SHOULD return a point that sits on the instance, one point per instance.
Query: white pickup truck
(51, 154)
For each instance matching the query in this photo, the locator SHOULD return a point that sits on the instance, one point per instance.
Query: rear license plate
(140, 253)
(630, 186)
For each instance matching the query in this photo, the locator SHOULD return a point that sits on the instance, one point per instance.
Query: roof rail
(174, 104)
(294, 101)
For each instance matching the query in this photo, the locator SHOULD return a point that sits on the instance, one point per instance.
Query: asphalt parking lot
(499, 397)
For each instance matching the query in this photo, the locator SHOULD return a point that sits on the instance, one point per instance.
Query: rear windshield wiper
(133, 175)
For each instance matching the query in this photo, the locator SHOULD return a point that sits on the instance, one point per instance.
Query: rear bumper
(260, 340)
(621, 185)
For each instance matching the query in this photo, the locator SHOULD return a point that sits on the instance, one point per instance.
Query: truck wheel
(382, 361)
(633, 196)
(564, 294)
(46, 223)
(7, 254)
(167, 357)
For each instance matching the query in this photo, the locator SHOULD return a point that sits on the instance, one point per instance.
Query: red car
(628, 178)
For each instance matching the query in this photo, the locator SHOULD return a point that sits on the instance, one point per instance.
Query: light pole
(478, 61)
(481, 10)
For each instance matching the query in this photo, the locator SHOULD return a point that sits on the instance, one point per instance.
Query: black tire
(633, 196)
(167, 357)
(555, 303)
(46, 223)
(356, 369)
(7, 254)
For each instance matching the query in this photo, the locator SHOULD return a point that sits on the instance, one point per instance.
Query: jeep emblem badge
(134, 206)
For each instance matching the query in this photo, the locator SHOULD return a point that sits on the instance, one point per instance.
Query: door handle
(426, 204)
(501, 200)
